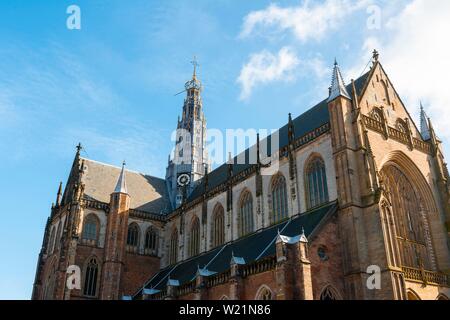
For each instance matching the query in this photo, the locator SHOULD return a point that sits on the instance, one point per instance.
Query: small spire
(59, 195)
(337, 88)
(121, 186)
(303, 236)
(290, 128)
(424, 128)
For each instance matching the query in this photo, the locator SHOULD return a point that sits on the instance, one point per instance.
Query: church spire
(337, 88)
(121, 186)
(59, 195)
(424, 128)
(190, 156)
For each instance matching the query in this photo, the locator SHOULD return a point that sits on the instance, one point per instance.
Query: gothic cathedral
(354, 203)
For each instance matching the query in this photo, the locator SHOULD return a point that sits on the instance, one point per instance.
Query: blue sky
(111, 85)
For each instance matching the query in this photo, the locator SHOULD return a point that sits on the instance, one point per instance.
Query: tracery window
(51, 241)
(173, 249)
(58, 236)
(401, 126)
(328, 294)
(264, 293)
(377, 114)
(90, 279)
(218, 226)
(316, 183)
(408, 217)
(133, 238)
(151, 241)
(246, 223)
(90, 229)
(194, 238)
(279, 200)
(49, 286)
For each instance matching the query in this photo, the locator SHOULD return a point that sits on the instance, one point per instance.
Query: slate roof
(303, 124)
(251, 248)
(147, 193)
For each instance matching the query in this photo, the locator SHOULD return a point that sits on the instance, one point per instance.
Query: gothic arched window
(377, 114)
(173, 249)
(51, 241)
(279, 200)
(133, 237)
(194, 238)
(328, 294)
(49, 286)
(90, 278)
(218, 226)
(246, 223)
(401, 126)
(264, 293)
(316, 183)
(90, 229)
(151, 241)
(58, 236)
(410, 224)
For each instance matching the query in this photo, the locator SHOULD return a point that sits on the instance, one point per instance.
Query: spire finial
(303, 236)
(79, 147)
(121, 186)
(375, 55)
(195, 64)
(337, 88)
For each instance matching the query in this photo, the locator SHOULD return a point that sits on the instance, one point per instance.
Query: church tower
(190, 156)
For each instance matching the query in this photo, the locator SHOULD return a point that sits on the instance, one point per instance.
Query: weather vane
(195, 64)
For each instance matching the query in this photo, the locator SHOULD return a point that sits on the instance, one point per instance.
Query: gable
(380, 92)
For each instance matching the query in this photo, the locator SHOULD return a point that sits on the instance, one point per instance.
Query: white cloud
(415, 53)
(305, 21)
(264, 67)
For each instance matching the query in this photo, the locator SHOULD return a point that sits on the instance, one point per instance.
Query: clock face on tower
(183, 179)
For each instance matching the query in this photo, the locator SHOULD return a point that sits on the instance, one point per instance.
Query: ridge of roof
(302, 125)
(120, 168)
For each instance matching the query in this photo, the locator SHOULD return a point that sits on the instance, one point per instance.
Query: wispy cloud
(265, 67)
(414, 52)
(305, 21)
